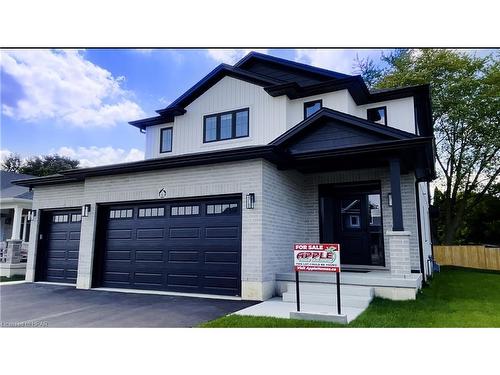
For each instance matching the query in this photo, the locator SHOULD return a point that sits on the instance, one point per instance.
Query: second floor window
(226, 125)
(166, 140)
(311, 108)
(378, 115)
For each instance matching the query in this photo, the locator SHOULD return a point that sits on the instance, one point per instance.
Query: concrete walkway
(275, 307)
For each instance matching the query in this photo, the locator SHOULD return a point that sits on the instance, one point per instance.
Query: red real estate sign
(316, 257)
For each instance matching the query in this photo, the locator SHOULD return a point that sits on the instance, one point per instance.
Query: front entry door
(352, 216)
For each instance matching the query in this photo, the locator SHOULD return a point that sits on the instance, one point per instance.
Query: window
(60, 218)
(152, 212)
(311, 108)
(120, 214)
(166, 140)
(76, 218)
(378, 115)
(223, 208)
(227, 125)
(184, 210)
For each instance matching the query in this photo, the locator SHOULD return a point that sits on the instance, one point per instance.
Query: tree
(39, 165)
(465, 93)
(12, 163)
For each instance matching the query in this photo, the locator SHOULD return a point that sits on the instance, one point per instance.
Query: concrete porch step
(328, 288)
(329, 299)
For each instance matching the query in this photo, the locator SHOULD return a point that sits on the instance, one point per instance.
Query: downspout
(419, 230)
(430, 224)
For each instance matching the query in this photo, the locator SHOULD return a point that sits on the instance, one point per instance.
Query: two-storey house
(253, 158)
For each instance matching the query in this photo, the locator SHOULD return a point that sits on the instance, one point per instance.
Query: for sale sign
(316, 257)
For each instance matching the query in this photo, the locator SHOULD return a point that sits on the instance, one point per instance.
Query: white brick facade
(286, 211)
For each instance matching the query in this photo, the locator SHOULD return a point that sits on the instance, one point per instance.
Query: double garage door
(186, 246)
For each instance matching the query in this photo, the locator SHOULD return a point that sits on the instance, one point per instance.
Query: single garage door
(185, 246)
(59, 242)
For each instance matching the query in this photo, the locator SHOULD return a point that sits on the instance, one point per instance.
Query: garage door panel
(118, 255)
(184, 233)
(183, 280)
(149, 255)
(222, 232)
(222, 257)
(190, 251)
(119, 234)
(150, 233)
(115, 276)
(185, 256)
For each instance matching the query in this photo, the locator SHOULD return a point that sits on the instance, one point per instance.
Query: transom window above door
(226, 125)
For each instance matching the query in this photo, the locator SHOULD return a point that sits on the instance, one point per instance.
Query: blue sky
(78, 102)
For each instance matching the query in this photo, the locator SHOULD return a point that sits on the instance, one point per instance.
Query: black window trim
(384, 107)
(311, 103)
(218, 125)
(162, 130)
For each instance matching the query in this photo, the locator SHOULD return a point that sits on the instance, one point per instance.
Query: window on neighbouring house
(311, 108)
(166, 140)
(378, 115)
(227, 125)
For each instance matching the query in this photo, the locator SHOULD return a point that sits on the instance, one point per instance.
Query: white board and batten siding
(269, 117)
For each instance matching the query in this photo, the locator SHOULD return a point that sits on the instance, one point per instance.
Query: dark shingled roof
(8, 190)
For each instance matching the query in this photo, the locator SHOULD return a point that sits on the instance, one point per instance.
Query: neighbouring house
(253, 158)
(15, 204)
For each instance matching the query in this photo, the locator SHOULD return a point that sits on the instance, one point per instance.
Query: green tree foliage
(39, 165)
(465, 92)
(12, 163)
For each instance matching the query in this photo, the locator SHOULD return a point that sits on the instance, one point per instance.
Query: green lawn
(12, 278)
(456, 297)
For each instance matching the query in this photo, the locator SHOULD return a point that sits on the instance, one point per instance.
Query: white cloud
(94, 156)
(230, 56)
(4, 153)
(339, 60)
(63, 86)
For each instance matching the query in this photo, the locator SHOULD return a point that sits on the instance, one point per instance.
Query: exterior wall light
(389, 199)
(31, 215)
(250, 201)
(85, 210)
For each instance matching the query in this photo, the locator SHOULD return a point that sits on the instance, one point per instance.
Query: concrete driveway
(43, 305)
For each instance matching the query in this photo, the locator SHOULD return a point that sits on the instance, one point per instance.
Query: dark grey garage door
(59, 242)
(190, 246)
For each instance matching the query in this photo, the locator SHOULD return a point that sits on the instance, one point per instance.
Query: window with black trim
(378, 115)
(60, 218)
(310, 108)
(222, 208)
(75, 218)
(226, 125)
(166, 140)
(121, 214)
(151, 212)
(184, 210)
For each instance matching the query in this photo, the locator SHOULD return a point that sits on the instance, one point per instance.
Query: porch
(14, 236)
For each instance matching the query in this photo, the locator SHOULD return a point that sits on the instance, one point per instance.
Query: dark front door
(189, 246)
(58, 246)
(352, 216)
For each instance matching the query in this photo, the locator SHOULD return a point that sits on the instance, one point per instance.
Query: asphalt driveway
(43, 305)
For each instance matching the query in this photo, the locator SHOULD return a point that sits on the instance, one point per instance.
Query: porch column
(397, 206)
(25, 222)
(16, 223)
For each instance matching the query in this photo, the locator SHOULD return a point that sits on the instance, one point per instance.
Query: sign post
(316, 257)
